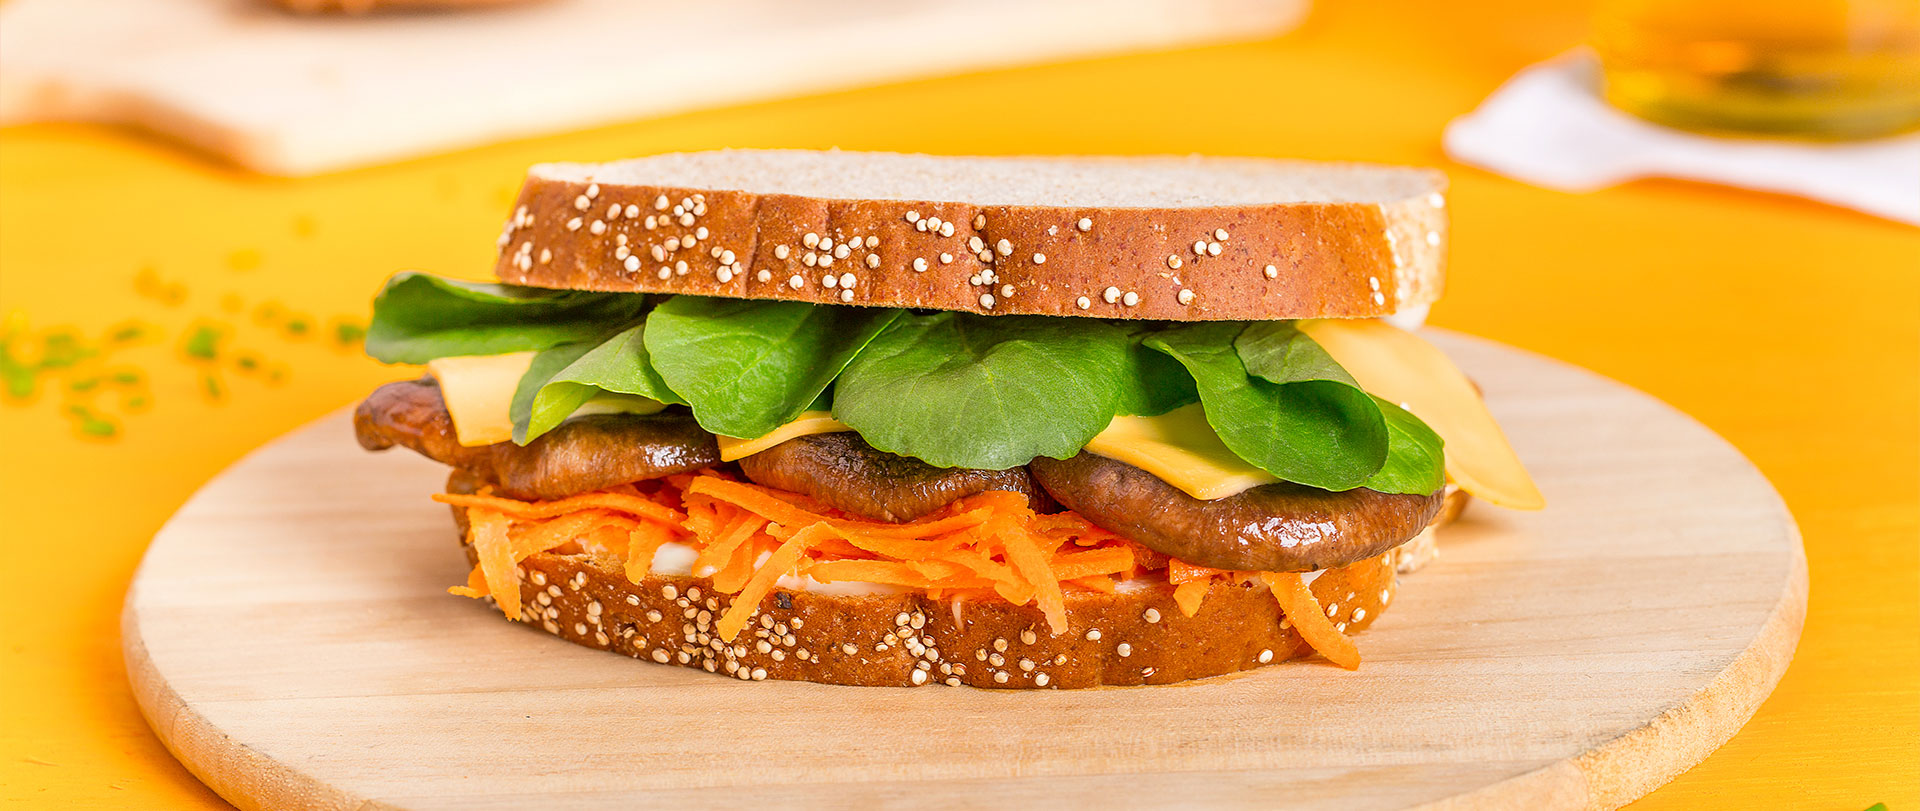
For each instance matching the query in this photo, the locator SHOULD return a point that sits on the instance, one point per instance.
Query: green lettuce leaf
(961, 390)
(748, 367)
(1278, 351)
(1308, 430)
(564, 378)
(1155, 383)
(418, 317)
(1415, 463)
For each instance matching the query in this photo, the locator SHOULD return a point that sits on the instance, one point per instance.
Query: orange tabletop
(1790, 328)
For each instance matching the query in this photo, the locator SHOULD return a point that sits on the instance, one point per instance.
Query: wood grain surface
(289, 638)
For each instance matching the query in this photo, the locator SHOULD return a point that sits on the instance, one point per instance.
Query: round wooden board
(290, 639)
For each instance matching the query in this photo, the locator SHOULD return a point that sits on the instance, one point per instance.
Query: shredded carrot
(869, 571)
(525, 510)
(1028, 559)
(719, 551)
(746, 537)
(644, 541)
(541, 537)
(1298, 604)
(739, 568)
(1104, 585)
(747, 602)
(1180, 571)
(495, 553)
(755, 500)
(1107, 560)
(476, 586)
(1189, 594)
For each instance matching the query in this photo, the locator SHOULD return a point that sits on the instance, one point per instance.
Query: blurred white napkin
(1548, 127)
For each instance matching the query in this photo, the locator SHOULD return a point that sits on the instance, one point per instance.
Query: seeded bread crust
(909, 640)
(1283, 260)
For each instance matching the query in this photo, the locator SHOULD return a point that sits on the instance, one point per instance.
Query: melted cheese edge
(807, 424)
(478, 390)
(1400, 366)
(1181, 449)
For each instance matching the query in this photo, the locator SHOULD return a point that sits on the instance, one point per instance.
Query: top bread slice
(1170, 238)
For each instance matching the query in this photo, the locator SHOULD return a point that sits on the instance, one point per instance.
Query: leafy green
(1155, 383)
(961, 390)
(563, 378)
(546, 364)
(417, 318)
(748, 367)
(1315, 432)
(1278, 351)
(1414, 460)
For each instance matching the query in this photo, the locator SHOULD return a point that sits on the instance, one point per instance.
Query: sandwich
(883, 419)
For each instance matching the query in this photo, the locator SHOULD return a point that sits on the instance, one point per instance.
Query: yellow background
(1791, 328)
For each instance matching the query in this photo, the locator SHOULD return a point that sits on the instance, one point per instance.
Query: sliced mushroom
(1272, 528)
(582, 454)
(843, 471)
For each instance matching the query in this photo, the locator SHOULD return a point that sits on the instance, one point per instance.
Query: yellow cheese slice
(1399, 366)
(808, 423)
(478, 390)
(1178, 446)
(1183, 450)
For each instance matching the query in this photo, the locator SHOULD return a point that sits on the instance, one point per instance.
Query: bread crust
(1132, 637)
(1330, 259)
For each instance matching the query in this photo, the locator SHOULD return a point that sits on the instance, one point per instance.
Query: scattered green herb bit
(268, 313)
(128, 378)
(91, 424)
(212, 386)
(277, 374)
(62, 349)
(248, 363)
(349, 333)
(20, 378)
(135, 403)
(961, 390)
(85, 384)
(417, 318)
(1877, 807)
(748, 367)
(203, 343)
(298, 325)
(127, 333)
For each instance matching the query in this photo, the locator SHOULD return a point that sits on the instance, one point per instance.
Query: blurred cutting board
(291, 95)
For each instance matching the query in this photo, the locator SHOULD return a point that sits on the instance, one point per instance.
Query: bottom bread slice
(1137, 635)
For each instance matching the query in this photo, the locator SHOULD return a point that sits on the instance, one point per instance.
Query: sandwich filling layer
(768, 445)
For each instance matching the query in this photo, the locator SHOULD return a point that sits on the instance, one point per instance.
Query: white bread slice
(1171, 238)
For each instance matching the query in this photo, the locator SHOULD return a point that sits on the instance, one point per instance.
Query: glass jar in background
(1809, 68)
